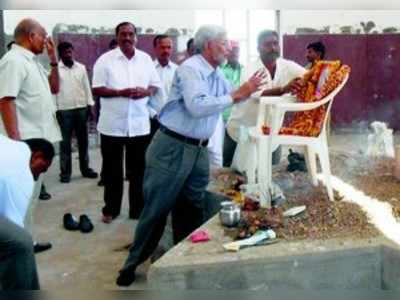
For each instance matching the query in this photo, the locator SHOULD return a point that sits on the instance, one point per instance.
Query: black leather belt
(191, 141)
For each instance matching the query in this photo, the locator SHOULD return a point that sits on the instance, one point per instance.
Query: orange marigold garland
(318, 82)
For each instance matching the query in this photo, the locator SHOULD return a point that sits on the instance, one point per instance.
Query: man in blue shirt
(177, 165)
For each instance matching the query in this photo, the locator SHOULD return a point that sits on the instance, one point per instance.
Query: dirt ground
(324, 219)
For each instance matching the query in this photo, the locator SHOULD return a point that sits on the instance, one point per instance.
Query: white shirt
(25, 79)
(75, 91)
(16, 180)
(120, 116)
(166, 74)
(246, 113)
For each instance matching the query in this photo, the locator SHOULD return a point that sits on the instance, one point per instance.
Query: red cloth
(199, 236)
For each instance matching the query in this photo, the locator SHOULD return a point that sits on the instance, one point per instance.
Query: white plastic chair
(269, 143)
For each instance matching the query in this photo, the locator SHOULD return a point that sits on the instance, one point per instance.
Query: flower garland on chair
(317, 83)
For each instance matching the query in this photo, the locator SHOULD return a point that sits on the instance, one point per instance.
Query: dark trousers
(73, 120)
(17, 260)
(175, 180)
(186, 217)
(128, 172)
(112, 149)
(229, 150)
(154, 126)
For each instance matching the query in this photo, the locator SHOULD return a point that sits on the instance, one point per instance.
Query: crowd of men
(165, 124)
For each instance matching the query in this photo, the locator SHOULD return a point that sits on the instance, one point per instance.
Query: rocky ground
(324, 219)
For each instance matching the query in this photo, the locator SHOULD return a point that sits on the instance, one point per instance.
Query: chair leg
(262, 166)
(328, 127)
(265, 171)
(252, 164)
(311, 161)
(251, 175)
(326, 169)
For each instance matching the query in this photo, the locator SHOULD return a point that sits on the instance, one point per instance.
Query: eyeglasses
(223, 42)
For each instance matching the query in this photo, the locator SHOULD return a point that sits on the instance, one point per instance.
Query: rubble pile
(322, 219)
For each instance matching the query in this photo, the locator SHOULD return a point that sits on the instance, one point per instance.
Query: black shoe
(101, 182)
(89, 173)
(133, 216)
(40, 247)
(65, 179)
(44, 196)
(126, 277)
(85, 225)
(70, 223)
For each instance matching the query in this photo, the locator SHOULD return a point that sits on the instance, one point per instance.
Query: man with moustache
(314, 53)
(26, 103)
(74, 103)
(163, 47)
(124, 78)
(177, 165)
(282, 77)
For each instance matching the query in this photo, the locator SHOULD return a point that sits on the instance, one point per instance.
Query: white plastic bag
(380, 141)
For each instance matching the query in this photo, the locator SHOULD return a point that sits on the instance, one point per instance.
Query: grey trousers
(28, 222)
(212, 205)
(17, 260)
(175, 179)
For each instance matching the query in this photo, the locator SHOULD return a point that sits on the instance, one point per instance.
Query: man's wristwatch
(53, 64)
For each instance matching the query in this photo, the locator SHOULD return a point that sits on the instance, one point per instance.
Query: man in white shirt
(163, 47)
(124, 78)
(20, 164)
(74, 102)
(282, 77)
(27, 106)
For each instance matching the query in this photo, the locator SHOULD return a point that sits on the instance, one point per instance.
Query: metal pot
(229, 214)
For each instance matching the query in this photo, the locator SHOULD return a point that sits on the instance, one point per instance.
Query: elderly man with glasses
(177, 164)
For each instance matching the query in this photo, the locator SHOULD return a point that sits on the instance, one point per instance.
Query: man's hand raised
(250, 86)
(51, 50)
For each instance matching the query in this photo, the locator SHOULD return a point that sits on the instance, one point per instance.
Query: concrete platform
(310, 264)
(79, 261)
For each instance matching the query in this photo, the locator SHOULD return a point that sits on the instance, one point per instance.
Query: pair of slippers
(84, 224)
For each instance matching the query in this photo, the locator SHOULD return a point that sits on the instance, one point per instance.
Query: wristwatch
(53, 64)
